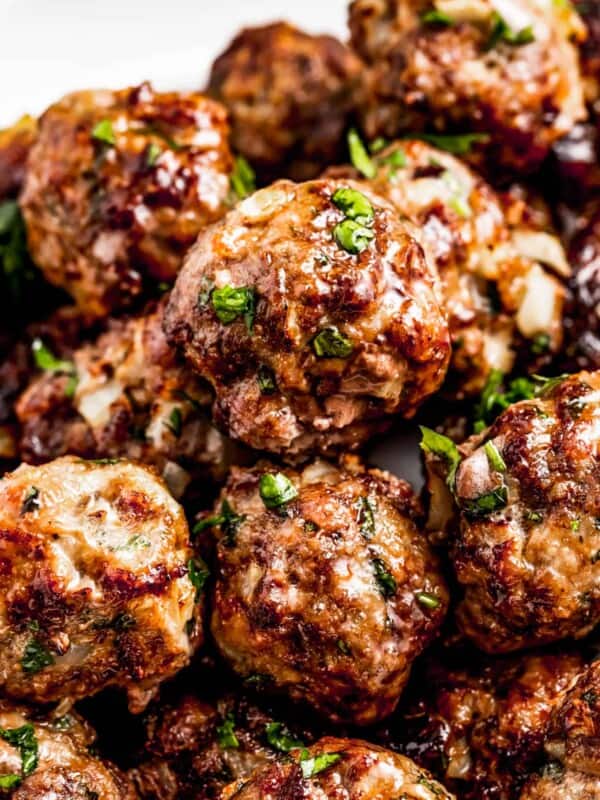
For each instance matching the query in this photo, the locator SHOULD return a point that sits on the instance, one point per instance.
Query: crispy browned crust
(279, 243)
(104, 221)
(290, 97)
(15, 144)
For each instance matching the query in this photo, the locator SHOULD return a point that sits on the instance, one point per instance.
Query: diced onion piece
(477, 11)
(544, 248)
(497, 350)
(537, 311)
(95, 406)
(176, 478)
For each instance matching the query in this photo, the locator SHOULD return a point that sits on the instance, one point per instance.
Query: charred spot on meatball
(312, 312)
(118, 185)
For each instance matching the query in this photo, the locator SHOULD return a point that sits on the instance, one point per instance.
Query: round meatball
(195, 748)
(118, 186)
(478, 724)
(334, 768)
(15, 144)
(464, 67)
(490, 253)
(325, 585)
(51, 758)
(573, 745)
(526, 543)
(97, 580)
(126, 395)
(311, 310)
(290, 96)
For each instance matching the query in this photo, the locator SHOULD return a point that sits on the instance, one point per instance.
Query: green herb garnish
(353, 237)
(31, 500)
(354, 205)
(330, 343)
(280, 738)
(175, 422)
(24, 739)
(428, 600)
(266, 380)
(385, 580)
(35, 657)
(230, 303)
(226, 734)
(243, 178)
(227, 519)
(458, 144)
(46, 360)
(443, 447)
(153, 153)
(313, 765)
(486, 504)
(366, 517)
(359, 155)
(104, 132)
(540, 344)
(502, 32)
(496, 461)
(276, 490)
(435, 17)
(198, 574)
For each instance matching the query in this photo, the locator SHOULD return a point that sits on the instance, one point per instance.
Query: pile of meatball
(214, 305)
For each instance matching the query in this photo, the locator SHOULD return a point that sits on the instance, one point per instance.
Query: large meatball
(336, 768)
(526, 542)
(15, 144)
(118, 186)
(491, 257)
(196, 747)
(126, 394)
(478, 724)
(311, 310)
(573, 746)
(325, 585)
(505, 70)
(97, 580)
(51, 758)
(290, 96)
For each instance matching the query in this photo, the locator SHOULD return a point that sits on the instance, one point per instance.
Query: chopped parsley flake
(366, 517)
(24, 739)
(35, 657)
(502, 32)
(313, 765)
(104, 132)
(496, 461)
(198, 574)
(443, 447)
(231, 302)
(458, 144)
(428, 600)
(354, 204)
(353, 237)
(435, 17)
(280, 738)
(243, 178)
(487, 503)
(385, 580)
(266, 380)
(276, 490)
(331, 343)
(227, 519)
(359, 155)
(174, 423)
(226, 734)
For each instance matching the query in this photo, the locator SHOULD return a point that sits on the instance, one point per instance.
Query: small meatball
(325, 585)
(97, 582)
(118, 186)
(311, 310)
(126, 395)
(526, 541)
(582, 313)
(478, 724)
(196, 747)
(290, 96)
(15, 144)
(336, 768)
(51, 758)
(573, 745)
(490, 252)
(463, 67)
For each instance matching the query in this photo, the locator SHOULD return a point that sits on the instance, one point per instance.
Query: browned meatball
(15, 143)
(491, 253)
(290, 96)
(455, 66)
(325, 586)
(118, 186)
(126, 394)
(311, 310)
(478, 724)
(51, 758)
(195, 748)
(526, 544)
(98, 584)
(340, 768)
(573, 745)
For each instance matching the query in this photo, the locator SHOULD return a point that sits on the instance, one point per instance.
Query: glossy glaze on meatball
(311, 310)
(118, 186)
(325, 585)
(572, 745)
(526, 544)
(51, 758)
(495, 256)
(335, 768)
(15, 144)
(126, 395)
(478, 724)
(505, 70)
(195, 747)
(290, 96)
(97, 580)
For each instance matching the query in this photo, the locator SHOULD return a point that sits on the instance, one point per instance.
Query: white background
(50, 47)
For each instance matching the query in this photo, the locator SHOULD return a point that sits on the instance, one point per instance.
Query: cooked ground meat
(97, 581)
(118, 185)
(290, 96)
(311, 310)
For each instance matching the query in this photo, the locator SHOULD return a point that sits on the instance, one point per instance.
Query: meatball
(98, 582)
(526, 543)
(334, 768)
(50, 758)
(573, 746)
(118, 186)
(290, 96)
(463, 67)
(196, 747)
(490, 252)
(15, 144)
(311, 310)
(126, 394)
(478, 724)
(325, 586)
